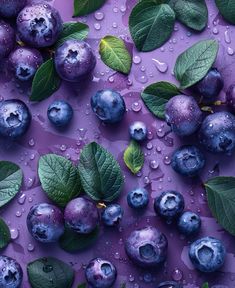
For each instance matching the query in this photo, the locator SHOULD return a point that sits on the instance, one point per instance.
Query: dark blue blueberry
(10, 8)
(7, 39)
(207, 254)
(108, 105)
(45, 222)
(189, 223)
(169, 205)
(15, 118)
(112, 215)
(60, 113)
(230, 97)
(147, 247)
(100, 273)
(138, 131)
(138, 198)
(169, 284)
(217, 133)
(11, 273)
(188, 160)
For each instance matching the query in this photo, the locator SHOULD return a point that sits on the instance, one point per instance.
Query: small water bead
(99, 16)
(142, 68)
(123, 8)
(131, 278)
(136, 285)
(18, 214)
(47, 268)
(32, 156)
(146, 180)
(215, 31)
(158, 149)
(97, 26)
(30, 199)
(31, 142)
(227, 37)
(30, 247)
(129, 82)
(117, 255)
(230, 51)
(63, 148)
(161, 66)
(148, 277)
(142, 78)
(167, 160)
(29, 182)
(177, 275)
(149, 145)
(137, 59)
(154, 164)
(115, 25)
(139, 174)
(111, 79)
(21, 199)
(14, 233)
(136, 106)
(115, 9)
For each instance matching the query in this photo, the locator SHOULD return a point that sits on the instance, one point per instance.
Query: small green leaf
(5, 235)
(114, 54)
(10, 181)
(84, 7)
(101, 175)
(83, 285)
(193, 64)
(134, 157)
(59, 178)
(156, 95)
(227, 9)
(151, 25)
(205, 285)
(45, 82)
(50, 273)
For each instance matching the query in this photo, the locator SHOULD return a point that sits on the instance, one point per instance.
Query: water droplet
(137, 59)
(30, 247)
(215, 31)
(154, 164)
(227, 37)
(117, 255)
(230, 51)
(167, 160)
(149, 145)
(47, 268)
(99, 16)
(161, 66)
(18, 213)
(146, 180)
(97, 26)
(14, 233)
(136, 106)
(63, 148)
(148, 277)
(31, 142)
(131, 278)
(177, 275)
(21, 199)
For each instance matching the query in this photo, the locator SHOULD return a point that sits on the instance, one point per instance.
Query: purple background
(42, 138)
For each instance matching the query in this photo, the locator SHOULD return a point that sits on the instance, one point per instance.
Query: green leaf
(101, 175)
(45, 82)
(114, 54)
(193, 14)
(205, 285)
(84, 7)
(83, 285)
(10, 181)
(5, 235)
(134, 157)
(50, 273)
(151, 25)
(156, 95)
(73, 242)
(227, 9)
(193, 64)
(221, 201)
(59, 178)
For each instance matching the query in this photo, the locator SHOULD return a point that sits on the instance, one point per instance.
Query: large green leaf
(84, 7)
(5, 235)
(227, 9)
(134, 157)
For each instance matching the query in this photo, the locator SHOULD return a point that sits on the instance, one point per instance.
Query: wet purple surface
(42, 138)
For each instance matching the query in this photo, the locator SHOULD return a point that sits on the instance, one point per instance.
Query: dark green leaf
(156, 95)
(205, 285)
(83, 285)
(84, 7)
(227, 9)
(5, 235)
(101, 175)
(193, 64)
(151, 25)
(134, 157)
(45, 82)
(59, 178)
(50, 273)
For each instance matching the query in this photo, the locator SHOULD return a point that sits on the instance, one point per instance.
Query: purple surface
(42, 138)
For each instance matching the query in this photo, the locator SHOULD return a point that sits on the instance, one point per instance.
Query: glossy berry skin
(138, 198)
(108, 105)
(183, 115)
(138, 131)
(15, 118)
(230, 97)
(24, 62)
(74, 60)
(60, 113)
(39, 25)
(189, 223)
(100, 273)
(169, 205)
(45, 222)
(188, 161)
(169, 284)
(112, 215)
(147, 247)
(207, 254)
(7, 39)
(11, 273)
(217, 133)
(10, 8)
(81, 215)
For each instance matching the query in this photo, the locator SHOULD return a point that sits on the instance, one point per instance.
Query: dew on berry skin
(161, 66)
(14, 233)
(136, 106)
(177, 274)
(30, 247)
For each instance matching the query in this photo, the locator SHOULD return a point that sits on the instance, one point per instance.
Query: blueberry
(108, 105)
(189, 223)
(138, 198)
(100, 273)
(60, 113)
(112, 215)
(24, 62)
(207, 254)
(230, 97)
(11, 273)
(81, 215)
(188, 160)
(147, 247)
(169, 204)
(217, 132)
(169, 284)
(15, 118)
(138, 131)
(74, 60)
(183, 115)
(10, 8)
(39, 25)
(45, 222)
(7, 39)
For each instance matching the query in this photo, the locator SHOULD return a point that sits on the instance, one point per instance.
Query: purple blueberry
(81, 215)
(74, 60)
(39, 25)
(15, 118)
(10, 8)
(183, 115)
(11, 273)
(138, 131)
(7, 39)
(24, 62)
(45, 222)
(138, 198)
(189, 223)
(100, 273)
(60, 113)
(147, 247)
(217, 133)
(169, 284)
(112, 215)
(230, 97)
